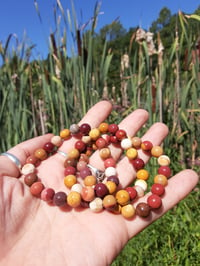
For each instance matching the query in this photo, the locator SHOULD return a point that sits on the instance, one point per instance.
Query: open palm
(36, 233)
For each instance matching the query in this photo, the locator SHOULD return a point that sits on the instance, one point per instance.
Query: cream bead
(56, 140)
(96, 205)
(140, 191)
(110, 171)
(141, 183)
(126, 143)
(76, 187)
(28, 168)
(163, 160)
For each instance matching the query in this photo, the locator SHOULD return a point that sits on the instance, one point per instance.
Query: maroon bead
(30, 179)
(120, 134)
(47, 194)
(164, 170)
(60, 198)
(32, 159)
(101, 190)
(48, 147)
(112, 128)
(132, 192)
(70, 162)
(154, 201)
(143, 209)
(70, 170)
(114, 179)
(138, 163)
(80, 145)
(85, 172)
(158, 189)
(85, 129)
(113, 139)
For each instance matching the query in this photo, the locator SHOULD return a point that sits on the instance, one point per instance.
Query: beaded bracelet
(97, 189)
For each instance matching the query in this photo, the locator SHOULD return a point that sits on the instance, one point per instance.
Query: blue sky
(18, 17)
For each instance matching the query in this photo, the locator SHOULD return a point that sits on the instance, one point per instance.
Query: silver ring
(100, 175)
(62, 153)
(13, 158)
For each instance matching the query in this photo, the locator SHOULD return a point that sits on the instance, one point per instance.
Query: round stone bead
(120, 134)
(85, 129)
(104, 153)
(141, 183)
(77, 187)
(112, 128)
(161, 179)
(142, 174)
(110, 162)
(154, 201)
(86, 139)
(164, 170)
(94, 133)
(28, 168)
(56, 140)
(131, 153)
(163, 160)
(84, 157)
(60, 198)
(156, 151)
(90, 180)
(113, 139)
(112, 187)
(74, 153)
(70, 180)
(69, 170)
(101, 190)
(40, 154)
(96, 205)
(113, 178)
(30, 179)
(80, 145)
(74, 128)
(65, 134)
(49, 147)
(85, 172)
(128, 211)
(122, 197)
(138, 163)
(126, 143)
(74, 199)
(36, 188)
(110, 171)
(140, 191)
(101, 143)
(158, 189)
(142, 209)
(146, 145)
(109, 202)
(136, 142)
(47, 194)
(81, 165)
(70, 162)
(103, 127)
(32, 159)
(132, 192)
(88, 193)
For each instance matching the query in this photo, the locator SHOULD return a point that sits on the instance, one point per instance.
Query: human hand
(34, 233)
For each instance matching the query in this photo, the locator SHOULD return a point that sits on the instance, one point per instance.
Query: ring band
(62, 153)
(13, 158)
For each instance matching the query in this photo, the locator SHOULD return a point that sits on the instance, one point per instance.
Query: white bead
(163, 160)
(56, 140)
(126, 143)
(140, 191)
(86, 139)
(110, 171)
(77, 188)
(141, 183)
(96, 205)
(28, 168)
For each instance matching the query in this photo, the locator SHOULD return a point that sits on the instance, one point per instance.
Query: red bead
(101, 190)
(48, 147)
(30, 179)
(146, 145)
(113, 139)
(85, 129)
(112, 128)
(120, 134)
(85, 172)
(80, 145)
(110, 162)
(101, 143)
(32, 159)
(164, 170)
(36, 188)
(138, 163)
(132, 192)
(154, 201)
(69, 170)
(47, 194)
(158, 189)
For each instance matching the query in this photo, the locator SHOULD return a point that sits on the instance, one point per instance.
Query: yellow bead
(112, 187)
(128, 211)
(103, 127)
(90, 180)
(70, 180)
(142, 174)
(136, 142)
(74, 199)
(94, 133)
(40, 154)
(104, 153)
(122, 197)
(109, 202)
(74, 154)
(131, 153)
(156, 151)
(65, 133)
(160, 179)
